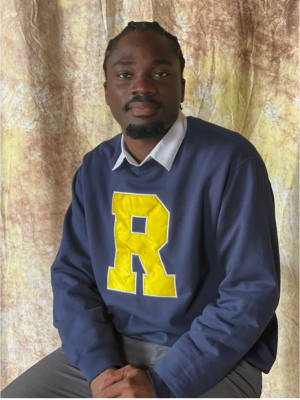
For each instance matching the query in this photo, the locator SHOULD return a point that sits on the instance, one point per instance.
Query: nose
(143, 84)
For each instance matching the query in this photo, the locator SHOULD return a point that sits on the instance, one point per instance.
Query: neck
(140, 148)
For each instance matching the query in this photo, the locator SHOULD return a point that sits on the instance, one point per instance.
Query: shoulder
(104, 155)
(99, 162)
(221, 142)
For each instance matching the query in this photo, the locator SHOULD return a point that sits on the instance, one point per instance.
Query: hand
(96, 382)
(128, 382)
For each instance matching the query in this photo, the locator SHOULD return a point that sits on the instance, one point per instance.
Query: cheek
(116, 106)
(174, 99)
(112, 100)
(176, 93)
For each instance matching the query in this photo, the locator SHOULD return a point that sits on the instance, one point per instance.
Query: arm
(229, 327)
(80, 314)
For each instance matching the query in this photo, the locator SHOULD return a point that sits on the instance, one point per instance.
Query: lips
(143, 109)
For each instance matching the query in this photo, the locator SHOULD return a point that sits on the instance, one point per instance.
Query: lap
(55, 376)
(243, 380)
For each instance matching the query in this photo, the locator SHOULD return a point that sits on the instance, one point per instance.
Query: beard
(146, 131)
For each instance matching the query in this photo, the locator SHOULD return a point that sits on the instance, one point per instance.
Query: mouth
(143, 109)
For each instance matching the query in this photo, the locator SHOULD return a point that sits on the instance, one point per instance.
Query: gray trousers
(55, 376)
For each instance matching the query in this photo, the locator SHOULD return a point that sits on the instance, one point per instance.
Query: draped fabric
(241, 73)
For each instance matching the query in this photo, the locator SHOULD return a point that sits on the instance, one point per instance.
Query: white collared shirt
(166, 149)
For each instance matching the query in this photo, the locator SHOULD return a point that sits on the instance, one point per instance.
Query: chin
(146, 130)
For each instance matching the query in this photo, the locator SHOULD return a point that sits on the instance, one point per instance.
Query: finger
(113, 378)
(114, 390)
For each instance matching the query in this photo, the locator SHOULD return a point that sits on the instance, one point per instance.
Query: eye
(123, 75)
(160, 74)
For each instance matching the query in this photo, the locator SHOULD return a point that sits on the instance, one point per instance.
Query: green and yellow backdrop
(241, 73)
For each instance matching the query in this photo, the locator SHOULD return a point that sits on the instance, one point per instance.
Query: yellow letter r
(146, 245)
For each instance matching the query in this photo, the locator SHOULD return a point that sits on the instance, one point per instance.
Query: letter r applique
(147, 244)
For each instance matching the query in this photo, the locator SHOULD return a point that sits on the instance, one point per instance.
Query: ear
(182, 90)
(105, 92)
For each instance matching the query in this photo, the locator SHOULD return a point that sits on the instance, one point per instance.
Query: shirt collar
(166, 149)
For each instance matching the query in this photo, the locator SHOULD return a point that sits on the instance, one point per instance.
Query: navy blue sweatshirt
(186, 258)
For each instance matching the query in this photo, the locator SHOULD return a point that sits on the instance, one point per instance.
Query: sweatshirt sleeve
(161, 389)
(80, 314)
(247, 250)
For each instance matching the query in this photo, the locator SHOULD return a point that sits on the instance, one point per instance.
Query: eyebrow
(154, 62)
(120, 62)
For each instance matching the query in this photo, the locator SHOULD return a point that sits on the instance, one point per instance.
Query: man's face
(144, 84)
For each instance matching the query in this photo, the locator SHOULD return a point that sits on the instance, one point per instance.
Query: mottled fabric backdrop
(241, 73)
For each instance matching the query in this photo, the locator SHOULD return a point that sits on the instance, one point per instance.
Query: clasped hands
(126, 382)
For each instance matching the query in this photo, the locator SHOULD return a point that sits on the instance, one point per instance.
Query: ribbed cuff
(97, 360)
(161, 389)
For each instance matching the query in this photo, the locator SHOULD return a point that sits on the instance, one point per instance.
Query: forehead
(144, 46)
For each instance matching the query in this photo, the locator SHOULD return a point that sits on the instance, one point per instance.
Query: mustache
(141, 99)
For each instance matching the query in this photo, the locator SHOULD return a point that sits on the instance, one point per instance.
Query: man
(167, 278)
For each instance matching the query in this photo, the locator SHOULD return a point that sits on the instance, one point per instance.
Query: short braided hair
(144, 27)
